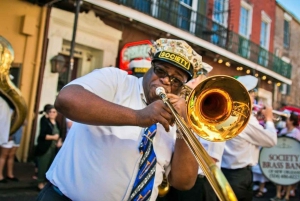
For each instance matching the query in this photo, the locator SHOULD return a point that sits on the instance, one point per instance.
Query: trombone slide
(214, 175)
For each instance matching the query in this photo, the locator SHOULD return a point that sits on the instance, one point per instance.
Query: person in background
(202, 190)
(5, 119)
(260, 179)
(6, 112)
(8, 152)
(241, 152)
(46, 147)
(123, 138)
(46, 108)
(281, 124)
(291, 130)
(43, 120)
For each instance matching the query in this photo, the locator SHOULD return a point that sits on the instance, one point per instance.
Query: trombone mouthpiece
(160, 90)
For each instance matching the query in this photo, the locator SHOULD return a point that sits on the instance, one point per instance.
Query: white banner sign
(281, 163)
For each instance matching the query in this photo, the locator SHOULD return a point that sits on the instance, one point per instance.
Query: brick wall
(268, 7)
(293, 53)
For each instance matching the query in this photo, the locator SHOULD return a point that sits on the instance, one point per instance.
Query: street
(25, 189)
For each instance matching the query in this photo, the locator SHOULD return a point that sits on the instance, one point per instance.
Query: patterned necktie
(144, 181)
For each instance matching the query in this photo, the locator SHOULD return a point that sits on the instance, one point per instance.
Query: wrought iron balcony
(175, 13)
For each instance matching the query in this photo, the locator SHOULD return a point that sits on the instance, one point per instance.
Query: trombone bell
(218, 109)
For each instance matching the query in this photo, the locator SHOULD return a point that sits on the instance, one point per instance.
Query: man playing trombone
(123, 140)
(241, 152)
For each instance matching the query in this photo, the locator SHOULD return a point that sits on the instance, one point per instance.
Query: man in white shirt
(241, 152)
(100, 157)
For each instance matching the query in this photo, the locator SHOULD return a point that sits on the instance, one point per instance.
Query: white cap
(207, 67)
(248, 81)
(143, 63)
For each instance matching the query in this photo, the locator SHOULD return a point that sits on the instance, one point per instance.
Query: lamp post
(78, 3)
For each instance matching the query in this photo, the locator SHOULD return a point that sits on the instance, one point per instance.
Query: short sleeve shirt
(101, 162)
(243, 150)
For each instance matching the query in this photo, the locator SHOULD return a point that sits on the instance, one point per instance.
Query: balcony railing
(175, 13)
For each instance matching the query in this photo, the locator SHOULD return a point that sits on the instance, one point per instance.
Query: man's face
(165, 75)
(289, 122)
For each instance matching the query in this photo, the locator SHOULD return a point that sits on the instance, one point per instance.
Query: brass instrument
(218, 109)
(278, 114)
(8, 89)
(164, 187)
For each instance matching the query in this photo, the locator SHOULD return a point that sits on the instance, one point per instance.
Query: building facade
(287, 47)
(22, 24)
(234, 36)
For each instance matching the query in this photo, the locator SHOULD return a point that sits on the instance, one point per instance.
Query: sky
(291, 5)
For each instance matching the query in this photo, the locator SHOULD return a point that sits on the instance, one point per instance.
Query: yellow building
(40, 33)
(22, 24)
(37, 35)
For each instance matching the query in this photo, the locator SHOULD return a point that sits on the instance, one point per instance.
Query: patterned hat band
(201, 71)
(176, 60)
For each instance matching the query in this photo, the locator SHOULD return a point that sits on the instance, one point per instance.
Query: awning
(291, 109)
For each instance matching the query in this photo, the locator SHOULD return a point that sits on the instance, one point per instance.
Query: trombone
(279, 114)
(218, 109)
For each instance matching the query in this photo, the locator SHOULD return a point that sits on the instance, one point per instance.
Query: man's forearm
(184, 167)
(72, 102)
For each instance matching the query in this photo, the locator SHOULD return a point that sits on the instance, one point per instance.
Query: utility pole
(78, 4)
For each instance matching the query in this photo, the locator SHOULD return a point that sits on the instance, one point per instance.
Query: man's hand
(156, 112)
(268, 113)
(179, 104)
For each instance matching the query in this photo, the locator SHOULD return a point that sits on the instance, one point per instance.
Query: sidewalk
(26, 188)
(272, 192)
(23, 190)
(24, 172)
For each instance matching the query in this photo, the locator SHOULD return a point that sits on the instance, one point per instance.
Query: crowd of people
(124, 140)
(289, 127)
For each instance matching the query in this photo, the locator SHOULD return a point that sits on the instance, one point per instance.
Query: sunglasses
(161, 73)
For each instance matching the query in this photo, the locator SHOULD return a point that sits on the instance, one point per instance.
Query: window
(220, 14)
(185, 13)
(285, 89)
(263, 57)
(245, 29)
(244, 47)
(286, 30)
(15, 73)
(141, 5)
(264, 39)
(245, 19)
(263, 34)
(286, 34)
